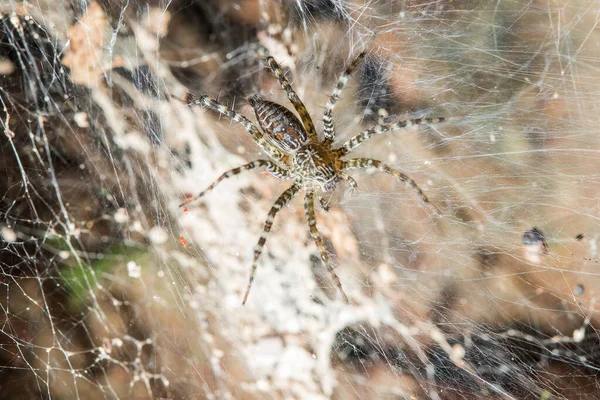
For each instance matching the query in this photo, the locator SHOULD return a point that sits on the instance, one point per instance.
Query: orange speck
(183, 242)
(185, 210)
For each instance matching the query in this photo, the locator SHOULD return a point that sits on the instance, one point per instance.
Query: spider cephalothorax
(298, 154)
(314, 162)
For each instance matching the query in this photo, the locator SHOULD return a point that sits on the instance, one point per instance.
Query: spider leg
(309, 207)
(328, 127)
(278, 172)
(366, 163)
(254, 132)
(273, 168)
(281, 202)
(378, 129)
(293, 97)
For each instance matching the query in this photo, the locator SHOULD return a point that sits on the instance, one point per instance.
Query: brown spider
(313, 164)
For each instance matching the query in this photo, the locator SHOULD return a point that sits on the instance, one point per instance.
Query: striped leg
(293, 97)
(366, 163)
(254, 132)
(281, 202)
(328, 128)
(309, 207)
(273, 168)
(378, 129)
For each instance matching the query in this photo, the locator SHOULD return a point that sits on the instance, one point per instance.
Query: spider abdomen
(280, 124)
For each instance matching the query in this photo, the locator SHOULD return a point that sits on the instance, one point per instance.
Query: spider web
(109, 290)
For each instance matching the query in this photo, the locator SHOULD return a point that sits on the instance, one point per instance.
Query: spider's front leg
(281, 202)
(367, 163)
(379, 129)
(309, 207)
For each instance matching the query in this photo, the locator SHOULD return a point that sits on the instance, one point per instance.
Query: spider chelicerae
(298, 154)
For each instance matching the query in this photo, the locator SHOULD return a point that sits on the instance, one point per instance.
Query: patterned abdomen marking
(279, 123)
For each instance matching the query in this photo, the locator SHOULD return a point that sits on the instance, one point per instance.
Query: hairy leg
(273, 168)
(254, 132)
(293, 97)
(379, 129)
(328, 127)
(281, 202)
(366, 163)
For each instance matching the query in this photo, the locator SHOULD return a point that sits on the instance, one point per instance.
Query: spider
(297, 153)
